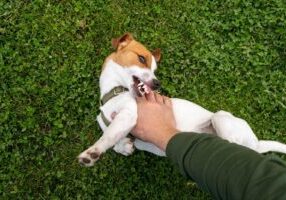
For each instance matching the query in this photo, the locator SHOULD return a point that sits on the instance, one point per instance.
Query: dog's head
(137, 61)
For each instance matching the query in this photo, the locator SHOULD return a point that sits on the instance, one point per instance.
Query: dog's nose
(156, 84)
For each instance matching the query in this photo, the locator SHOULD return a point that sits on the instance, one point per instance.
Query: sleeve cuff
(177, 147)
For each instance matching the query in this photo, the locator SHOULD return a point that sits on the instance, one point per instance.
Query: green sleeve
(227, 170)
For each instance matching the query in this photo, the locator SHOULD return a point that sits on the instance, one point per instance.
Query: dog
(129, 72)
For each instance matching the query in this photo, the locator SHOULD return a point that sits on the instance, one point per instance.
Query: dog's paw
(124, 147)
(89, 157)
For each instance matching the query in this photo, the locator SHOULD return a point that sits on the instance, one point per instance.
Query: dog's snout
(156, 84)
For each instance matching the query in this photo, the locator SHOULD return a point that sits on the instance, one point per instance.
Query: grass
(227, 55)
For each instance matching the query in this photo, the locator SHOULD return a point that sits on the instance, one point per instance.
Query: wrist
(165, 137)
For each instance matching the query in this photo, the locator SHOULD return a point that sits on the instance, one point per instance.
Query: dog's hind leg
(125, 146)
(238, 131)
(268, 145)
(234, 129)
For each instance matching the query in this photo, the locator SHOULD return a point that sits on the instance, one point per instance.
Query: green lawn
(227, 55)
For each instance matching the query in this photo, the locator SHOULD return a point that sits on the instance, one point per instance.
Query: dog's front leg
(122, 124)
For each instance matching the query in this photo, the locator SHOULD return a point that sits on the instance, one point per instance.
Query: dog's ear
(121, 42)
(157, 54)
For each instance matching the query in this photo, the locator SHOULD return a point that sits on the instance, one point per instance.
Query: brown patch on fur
(121, 42)
(85, 160)
(94, 155)
(157, 54)
(129, 55)
(128, 51)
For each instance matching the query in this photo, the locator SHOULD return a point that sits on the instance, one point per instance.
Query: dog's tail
(268, 145)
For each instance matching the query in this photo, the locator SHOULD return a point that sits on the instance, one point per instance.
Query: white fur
(189, 117)
(153, 65)
(124, 105)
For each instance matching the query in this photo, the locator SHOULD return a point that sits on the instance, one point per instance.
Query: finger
(151, 96)
(167, 101)
(140, 99)
(159, 98)
(143, 98)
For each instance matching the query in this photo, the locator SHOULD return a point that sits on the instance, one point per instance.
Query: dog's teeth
(146, 89)
(142, 88)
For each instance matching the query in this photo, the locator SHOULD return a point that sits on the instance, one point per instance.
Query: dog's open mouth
(140, 87)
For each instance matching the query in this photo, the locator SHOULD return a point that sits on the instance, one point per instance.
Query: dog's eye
(142, 59)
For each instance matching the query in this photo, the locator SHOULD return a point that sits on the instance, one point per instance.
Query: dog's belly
(191, 117)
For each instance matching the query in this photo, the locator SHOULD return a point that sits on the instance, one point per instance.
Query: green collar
(113, 93)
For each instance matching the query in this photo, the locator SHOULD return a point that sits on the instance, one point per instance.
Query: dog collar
(113, 93)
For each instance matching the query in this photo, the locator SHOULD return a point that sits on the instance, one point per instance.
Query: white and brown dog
(129, 72)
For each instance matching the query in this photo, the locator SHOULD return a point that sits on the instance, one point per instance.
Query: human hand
(155, 123)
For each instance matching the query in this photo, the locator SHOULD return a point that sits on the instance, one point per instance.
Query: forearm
(226, 170)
